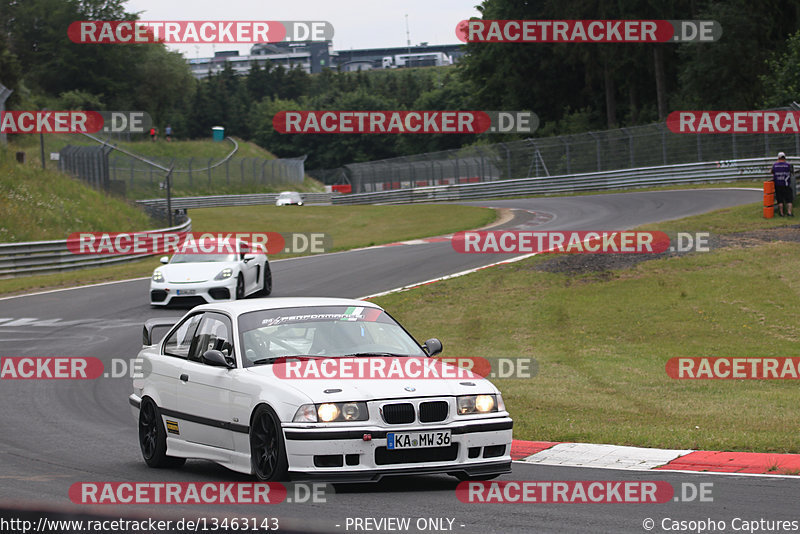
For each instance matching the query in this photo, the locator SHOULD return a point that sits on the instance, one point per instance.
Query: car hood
(346, 389)
(177, 273)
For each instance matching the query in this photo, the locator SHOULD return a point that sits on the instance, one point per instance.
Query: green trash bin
(218, 133)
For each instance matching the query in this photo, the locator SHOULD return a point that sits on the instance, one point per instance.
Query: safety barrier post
(769, 199)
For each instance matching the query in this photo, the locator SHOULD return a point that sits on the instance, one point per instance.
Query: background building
(313, 56)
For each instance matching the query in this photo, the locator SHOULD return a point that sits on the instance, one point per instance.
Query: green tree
(728, 74)
(782, 81)
(10, 70)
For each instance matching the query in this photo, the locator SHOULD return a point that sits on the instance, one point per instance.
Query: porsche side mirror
(249, 257)
(433, 346)
(215, 358)
(164, 259)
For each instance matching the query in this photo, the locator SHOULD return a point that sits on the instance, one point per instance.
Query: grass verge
(349, 226)
(39, 205)
(725, 221)
(602, 341)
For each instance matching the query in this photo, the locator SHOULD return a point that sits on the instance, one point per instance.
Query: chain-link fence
(200, 175)
(640, 146)
(132, 178)
(88, 162)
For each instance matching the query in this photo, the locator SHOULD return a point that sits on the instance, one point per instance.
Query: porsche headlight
(331, 412)
(158, 276)
(224, 274)
(472, 404)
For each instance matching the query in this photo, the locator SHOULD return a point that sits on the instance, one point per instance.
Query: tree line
(572, 87)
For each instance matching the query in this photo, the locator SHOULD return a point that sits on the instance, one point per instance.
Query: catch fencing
(129, 175)
(690, 173)
(592, 152)
(203, 174)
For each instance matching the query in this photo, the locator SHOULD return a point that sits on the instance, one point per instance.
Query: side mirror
(164, 259)
(249, 257)
(433, 346)
(215, 358)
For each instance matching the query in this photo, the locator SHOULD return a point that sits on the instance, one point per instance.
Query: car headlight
(157, 276)
(472, 404)
(224, 274)
(331, 412)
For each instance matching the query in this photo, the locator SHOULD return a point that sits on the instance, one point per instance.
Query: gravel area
(578, 264)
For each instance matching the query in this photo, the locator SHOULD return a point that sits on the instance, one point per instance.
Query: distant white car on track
(215, 389)
(289, 198)
(214, 277)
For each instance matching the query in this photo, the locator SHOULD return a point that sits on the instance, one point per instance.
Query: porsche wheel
(266, 288)
(240, 287)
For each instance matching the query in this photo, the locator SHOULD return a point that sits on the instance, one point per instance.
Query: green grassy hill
(225, 179)
(38, 204)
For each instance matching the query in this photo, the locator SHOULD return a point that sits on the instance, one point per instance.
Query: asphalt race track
(58, 432)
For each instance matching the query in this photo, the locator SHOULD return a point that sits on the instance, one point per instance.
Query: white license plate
(186, 292)
(417, 440)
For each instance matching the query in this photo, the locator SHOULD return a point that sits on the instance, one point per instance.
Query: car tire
(267, 447)
(153, 437)
(266, 287)
(239, 287)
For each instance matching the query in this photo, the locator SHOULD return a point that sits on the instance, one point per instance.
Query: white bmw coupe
(216, 387)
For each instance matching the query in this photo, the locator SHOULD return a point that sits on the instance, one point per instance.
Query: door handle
(184, 377)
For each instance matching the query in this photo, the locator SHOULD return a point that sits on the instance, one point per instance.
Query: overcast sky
(356, 23)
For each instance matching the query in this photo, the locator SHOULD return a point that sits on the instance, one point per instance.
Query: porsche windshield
(326, 331)
(197, 258)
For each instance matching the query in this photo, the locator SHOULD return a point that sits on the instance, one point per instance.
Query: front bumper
(164, 293)
(479, 447)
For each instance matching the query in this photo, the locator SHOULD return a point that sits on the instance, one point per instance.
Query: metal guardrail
(647, 145)
(219, 201)
(43, 257)
(688, 173)
(52, 256)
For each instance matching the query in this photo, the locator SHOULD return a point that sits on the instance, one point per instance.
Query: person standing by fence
(782, 176)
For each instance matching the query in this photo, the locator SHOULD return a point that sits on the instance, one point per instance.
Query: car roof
(238, 307)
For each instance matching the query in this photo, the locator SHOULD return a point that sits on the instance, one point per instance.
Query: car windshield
(286, 195)
(198, 258)
(325, 331)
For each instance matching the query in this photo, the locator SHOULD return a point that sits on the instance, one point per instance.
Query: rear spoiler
(152, 324)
